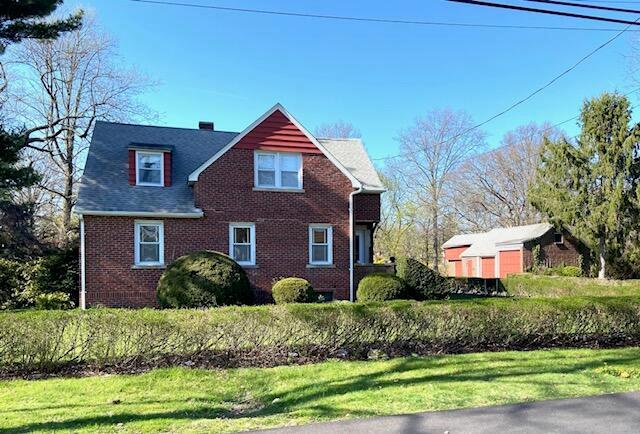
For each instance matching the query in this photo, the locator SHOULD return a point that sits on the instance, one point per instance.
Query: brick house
(502, 251)
(278, 200)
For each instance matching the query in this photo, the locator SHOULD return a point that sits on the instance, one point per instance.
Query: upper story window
(149, 168)
(242, 243)
(149, 243)
(320, 245)
(278, 170)
(558, 238)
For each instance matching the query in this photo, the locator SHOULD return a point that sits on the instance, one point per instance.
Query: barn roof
(488, 243)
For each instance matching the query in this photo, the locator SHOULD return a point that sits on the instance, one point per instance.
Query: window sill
(249, 266)
(281, 190)
(148, 267)
(321, 266)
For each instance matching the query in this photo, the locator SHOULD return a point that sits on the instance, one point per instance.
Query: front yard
(196, 400)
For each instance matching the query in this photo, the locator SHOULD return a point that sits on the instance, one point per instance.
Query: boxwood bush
(293, 290)
(423, 283)
(107, 339)
(204, 279)
(380, 287)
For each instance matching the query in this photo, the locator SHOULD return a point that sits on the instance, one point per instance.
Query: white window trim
(561, 238)
(136, 243)
(329, 229)
(278, 174)
(150, 184)
(252, 240)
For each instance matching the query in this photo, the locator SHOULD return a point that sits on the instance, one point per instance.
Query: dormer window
(149, 168)
(278, 170)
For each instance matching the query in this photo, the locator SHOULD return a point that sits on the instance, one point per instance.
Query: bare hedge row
(50, 341)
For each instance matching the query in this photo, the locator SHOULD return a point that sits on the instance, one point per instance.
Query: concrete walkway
(615, 413)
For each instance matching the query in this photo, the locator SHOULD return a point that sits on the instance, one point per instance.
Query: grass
(194, 400)
(531, 285)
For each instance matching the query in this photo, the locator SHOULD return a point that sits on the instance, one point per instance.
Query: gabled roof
(462, 240)
(278, 107)
(105, 189)
(489, 243)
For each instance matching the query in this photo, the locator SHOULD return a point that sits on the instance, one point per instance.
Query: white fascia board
(196, 214)
(193, 177)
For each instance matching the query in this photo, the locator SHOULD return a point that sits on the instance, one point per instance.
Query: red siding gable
(277, 133)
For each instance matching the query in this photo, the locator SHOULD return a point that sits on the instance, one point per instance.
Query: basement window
(558, 238)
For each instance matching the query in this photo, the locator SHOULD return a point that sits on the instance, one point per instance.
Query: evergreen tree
(591, 185)
(21, 19)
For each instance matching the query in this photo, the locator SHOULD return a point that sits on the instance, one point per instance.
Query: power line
(371, 19)
(545, 11)
(585, 5)
(535, 92)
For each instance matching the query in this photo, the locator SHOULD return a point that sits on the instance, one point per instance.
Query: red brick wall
(225, 193)
(366, 207)
(554, 255)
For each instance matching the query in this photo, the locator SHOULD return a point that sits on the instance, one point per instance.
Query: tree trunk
(436, 256)
(601, 256)
(67, 192)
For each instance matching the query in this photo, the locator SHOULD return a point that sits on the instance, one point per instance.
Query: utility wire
(586, 6)
(545, 11)
(371, 19)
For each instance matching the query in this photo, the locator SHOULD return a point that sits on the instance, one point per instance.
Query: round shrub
(293, 290)
(423, 283)
(204, 279)
(380, 287)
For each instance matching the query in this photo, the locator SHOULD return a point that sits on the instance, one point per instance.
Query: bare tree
(337, 130)
(491, 189)
(64, 87)
(433, 150)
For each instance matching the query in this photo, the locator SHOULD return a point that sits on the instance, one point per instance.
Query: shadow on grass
(475, 369)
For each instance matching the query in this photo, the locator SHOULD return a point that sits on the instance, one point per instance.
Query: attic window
(149, 168)
(558, 238)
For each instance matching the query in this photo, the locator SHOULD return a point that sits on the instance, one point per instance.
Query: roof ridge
(165, 127)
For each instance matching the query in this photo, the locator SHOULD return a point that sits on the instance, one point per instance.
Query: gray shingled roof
(105, 183)
(352, 155)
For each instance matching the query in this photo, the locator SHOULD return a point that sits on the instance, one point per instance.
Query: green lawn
(193, 400)
(531, 285)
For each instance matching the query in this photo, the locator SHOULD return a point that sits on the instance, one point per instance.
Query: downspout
(83, 297)
(351, 250)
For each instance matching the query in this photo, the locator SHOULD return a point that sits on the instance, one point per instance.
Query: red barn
(503, 251)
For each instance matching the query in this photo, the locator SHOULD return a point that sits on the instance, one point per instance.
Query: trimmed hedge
(293, 290)
(533, 285)
(380, 287)
(47, 341)
(423, 282)
(204, 279)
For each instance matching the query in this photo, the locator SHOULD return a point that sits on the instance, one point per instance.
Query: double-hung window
(320, 245)
(149, 168)
(278, 170)
(242, 243)
(149, 243)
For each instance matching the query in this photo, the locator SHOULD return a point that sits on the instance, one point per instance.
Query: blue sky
(231, 67)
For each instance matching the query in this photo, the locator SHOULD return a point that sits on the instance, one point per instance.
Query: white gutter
(194, 215)
(351, 252)
(83, 290)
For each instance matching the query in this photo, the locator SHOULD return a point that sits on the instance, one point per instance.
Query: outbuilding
(503, 251)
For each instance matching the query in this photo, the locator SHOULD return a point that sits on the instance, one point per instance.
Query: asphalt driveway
(614, 413)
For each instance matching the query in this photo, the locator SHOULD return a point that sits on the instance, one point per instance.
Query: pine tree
(591, 185)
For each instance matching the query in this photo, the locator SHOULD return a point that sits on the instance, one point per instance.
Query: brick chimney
(205, 125)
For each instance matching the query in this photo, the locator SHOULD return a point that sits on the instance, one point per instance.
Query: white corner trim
(195, 214)
(193, 177)
(83, 285)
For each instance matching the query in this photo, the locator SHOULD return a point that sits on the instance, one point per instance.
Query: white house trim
(154, 214)
(193, 177)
